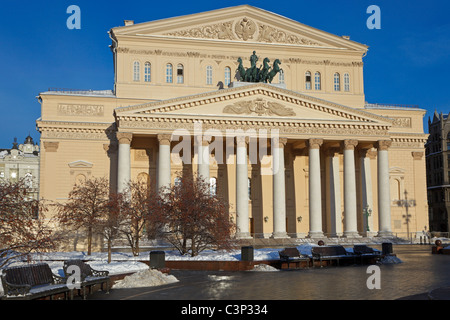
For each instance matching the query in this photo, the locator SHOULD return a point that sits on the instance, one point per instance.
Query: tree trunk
(89, 241)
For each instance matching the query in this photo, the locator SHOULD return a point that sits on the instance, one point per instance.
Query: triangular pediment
(241, 24)
(253, 102)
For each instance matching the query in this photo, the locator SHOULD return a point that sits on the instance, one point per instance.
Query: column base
(316, 234)
(243, 235)
(279, 235)
(385, 234)
(351, 234)
(369, 234)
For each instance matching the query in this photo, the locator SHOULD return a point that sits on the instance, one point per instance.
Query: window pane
(148, 72)
(169, 73)
(180, 74)
(208, 75)
(136, 71)
(346, 82)
(308, 80)
(337, 82)
(281, 77)
(227, 76)
(317, 81)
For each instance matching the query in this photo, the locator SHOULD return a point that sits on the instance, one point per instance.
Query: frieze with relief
(80, 110)
(260, 107)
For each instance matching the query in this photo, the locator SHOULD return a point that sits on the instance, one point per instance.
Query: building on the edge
(438, 171)
(346, 164)
(21, 162)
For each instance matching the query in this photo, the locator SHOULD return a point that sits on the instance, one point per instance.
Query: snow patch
(146, 278)
(263, 267)
(390, 260)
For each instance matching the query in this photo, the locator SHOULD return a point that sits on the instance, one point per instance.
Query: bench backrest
(85, 269)
(361, 249)
(290, 252)
(329, 250)
(33, 275)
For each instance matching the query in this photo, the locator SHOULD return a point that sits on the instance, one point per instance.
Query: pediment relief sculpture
(259, 107)
(244, 29)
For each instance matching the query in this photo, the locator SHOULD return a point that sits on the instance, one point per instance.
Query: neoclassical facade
(303, 156)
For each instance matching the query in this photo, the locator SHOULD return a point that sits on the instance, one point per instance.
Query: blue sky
(407, 63)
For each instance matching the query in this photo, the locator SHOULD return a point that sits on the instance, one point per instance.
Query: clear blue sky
(407, 62)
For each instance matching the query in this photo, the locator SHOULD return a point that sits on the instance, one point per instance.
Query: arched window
(137, 71)
(337, 82)
(180, 73)
(148, 72)
(209, 75)
(317, 81)
(346, 82)
(169, 73)
(213, 186)
(227, 76)
(308, 80)
(281, 77)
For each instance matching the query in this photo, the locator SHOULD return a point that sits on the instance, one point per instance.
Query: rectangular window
(209, 75)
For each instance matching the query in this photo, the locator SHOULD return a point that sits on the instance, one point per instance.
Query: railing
(77, 91)
(390, 105)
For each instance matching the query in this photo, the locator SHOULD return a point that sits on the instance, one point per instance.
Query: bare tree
(140, 202)
(86, 206)
(114, 219)
(194, 219)
(23, 227)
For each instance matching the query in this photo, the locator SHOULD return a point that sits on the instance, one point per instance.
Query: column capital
(164, 139)
(124, 137)
(280, 142)
(384, 144)
(203, 140)
(417, 155)
(350, 144)
(315, 143)
(242, 141)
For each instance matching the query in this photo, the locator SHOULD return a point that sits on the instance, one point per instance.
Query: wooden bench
(366, 253)
(33, 282)
(334, 253)
(88, 276)
(292, 255)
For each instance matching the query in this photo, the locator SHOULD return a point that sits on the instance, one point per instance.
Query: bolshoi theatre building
(271, 112)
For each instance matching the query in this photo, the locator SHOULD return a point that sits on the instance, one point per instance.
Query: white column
(164, 169)
(335, 193)
(367, 192)
(384, 201)
(279, 189)
(242, 217)
(350, 213)
(124, 160)
(315, 192)
(203, 158)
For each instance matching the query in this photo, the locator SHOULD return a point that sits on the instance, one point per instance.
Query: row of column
(279, 192)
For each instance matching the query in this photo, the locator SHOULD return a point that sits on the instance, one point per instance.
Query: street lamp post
(367, 212)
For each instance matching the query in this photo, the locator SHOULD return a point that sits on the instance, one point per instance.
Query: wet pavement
(419, 274)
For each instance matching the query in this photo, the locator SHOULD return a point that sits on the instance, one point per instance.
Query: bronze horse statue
(264, 74)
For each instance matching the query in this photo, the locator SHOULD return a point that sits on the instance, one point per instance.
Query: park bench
(364, 251)
(333, 253)
(88, 276)
(32, 281)
(292, 255)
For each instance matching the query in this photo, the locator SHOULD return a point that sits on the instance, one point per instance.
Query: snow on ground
(125, 263)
